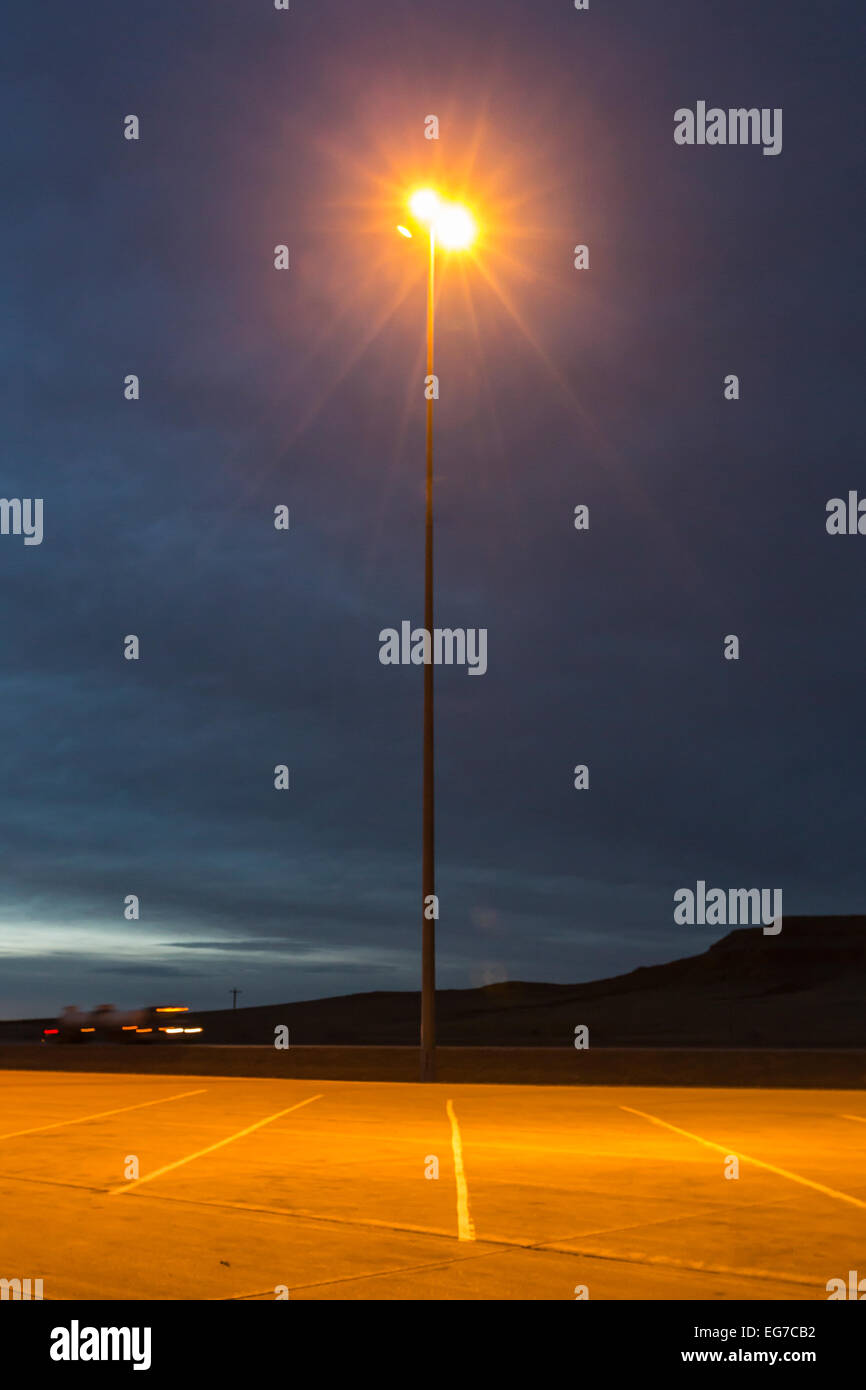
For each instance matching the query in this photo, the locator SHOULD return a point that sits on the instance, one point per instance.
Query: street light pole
(428, 872)
(453, 227)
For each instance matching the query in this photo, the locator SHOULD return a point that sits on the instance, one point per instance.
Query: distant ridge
(803, 988)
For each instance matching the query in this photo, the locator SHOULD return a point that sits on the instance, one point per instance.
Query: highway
(201, 1187)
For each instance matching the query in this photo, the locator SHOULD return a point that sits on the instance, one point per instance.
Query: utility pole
(234, 994)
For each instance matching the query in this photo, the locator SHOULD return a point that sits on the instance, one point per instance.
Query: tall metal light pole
(428, 863)
(453, 227)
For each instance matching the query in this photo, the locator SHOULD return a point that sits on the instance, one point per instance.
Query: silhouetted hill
(803, 988)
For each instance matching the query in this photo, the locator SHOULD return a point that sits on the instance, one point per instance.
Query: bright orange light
(454, 227)
(88, 1030)
(404, 231)
(192, 1030)
(424, 204)
(173, 1009)
(171, 1030)
(144, 1030)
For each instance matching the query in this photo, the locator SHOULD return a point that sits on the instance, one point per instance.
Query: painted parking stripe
(221, 1143)
(101, 1114)
(770, 1167)
(465, 1227)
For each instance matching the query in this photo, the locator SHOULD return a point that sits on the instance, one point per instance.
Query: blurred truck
(105, 1023)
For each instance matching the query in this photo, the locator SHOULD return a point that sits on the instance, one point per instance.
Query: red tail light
(49, 1031)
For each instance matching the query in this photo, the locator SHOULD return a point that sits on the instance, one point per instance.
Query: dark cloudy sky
(558, 387)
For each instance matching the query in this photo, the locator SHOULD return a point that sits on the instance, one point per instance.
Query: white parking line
(465, 1227)
(771, 1167)
(149, 1177)
(101, 1114)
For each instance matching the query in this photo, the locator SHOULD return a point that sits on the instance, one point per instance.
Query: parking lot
(185, 1187)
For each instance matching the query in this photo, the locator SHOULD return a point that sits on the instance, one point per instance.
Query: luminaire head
(454, 227)
(451, 224)
(425, 205)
